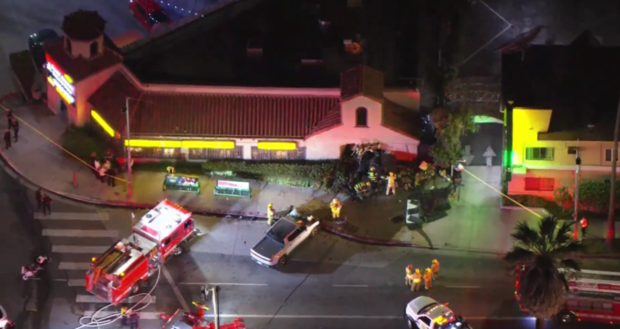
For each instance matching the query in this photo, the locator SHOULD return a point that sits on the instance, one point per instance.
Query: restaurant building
(211, 119)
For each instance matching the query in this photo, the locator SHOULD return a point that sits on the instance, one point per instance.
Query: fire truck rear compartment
(114, 260)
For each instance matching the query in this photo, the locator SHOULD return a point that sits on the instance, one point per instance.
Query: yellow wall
(526, 126)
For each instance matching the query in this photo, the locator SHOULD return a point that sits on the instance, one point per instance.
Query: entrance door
(63, 113)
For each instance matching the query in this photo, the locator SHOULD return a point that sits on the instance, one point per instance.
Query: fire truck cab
(157, 236)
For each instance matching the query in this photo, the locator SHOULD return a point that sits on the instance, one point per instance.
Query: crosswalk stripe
(73, 266)
(90, 216)
(93, 250)
(80, 233)
(130, 300)
(143, 315)
(76, 282)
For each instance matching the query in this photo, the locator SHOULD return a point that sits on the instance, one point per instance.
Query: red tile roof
(401, 119)
(83, 25)
(80, 68)
(215, 115)
(262, 116)
(110, 98)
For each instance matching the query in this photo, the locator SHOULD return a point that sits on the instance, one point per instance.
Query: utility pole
(128, 147)
(576, 197)
(214, 299)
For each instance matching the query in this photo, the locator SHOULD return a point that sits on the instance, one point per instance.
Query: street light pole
(576, 197)
(128, 148)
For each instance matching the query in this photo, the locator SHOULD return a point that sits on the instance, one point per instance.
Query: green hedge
(83, 141)
(303, 174)
(552, 207)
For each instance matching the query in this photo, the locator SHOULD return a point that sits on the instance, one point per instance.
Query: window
(539, 153)
(236, 153)
(608, 155)
(94, 48)
(187, 224)
(175, 235)
(166, 242)
(298, 154)
(295, 234)
(426, 321)
(142, 11)
(361, 117)
(158, 153)
(539, 184)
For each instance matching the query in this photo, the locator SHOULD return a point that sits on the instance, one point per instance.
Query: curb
(370, 241)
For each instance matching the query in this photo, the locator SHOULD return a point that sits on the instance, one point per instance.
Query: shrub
(83, 141)
(594, 195)
(563, 198)
(303, 174)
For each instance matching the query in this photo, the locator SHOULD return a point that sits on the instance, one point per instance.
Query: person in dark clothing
(111, 180)
(7, 139)
(15, 129)
(134, 320)
(47, 204)
(9, 118)
(39, 197)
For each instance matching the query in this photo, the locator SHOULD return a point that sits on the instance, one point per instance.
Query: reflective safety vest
(416, 277)
(584, 222)
(372, 175)
(360, 187)
(392, 180)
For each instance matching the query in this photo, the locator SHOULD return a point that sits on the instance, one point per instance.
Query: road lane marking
(155, 316)
(96, 300)
(350, 285)
(96, 250)
(80, 233)
(221, 284)
(175, 289)
(86, 216)
(73, 266)
(464, 287)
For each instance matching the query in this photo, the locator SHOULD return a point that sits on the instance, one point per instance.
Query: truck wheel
(135, 288)
(411, 324)
(283, 260)
(314, 232)
(177, 251)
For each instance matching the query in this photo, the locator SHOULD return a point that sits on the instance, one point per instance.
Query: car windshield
(45, 35)
(159, 17)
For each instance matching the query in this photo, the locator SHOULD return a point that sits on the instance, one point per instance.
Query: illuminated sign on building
(62, 82)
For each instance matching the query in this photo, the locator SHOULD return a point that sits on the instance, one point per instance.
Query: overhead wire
(503, 194)
(56, 144)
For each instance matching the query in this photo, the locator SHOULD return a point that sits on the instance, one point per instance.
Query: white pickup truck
(281, 239)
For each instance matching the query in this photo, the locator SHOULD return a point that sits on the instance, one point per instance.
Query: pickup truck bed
(267, 247)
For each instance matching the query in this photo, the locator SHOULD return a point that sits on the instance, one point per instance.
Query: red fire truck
(196, 320)
(592, 296)
(156, 237)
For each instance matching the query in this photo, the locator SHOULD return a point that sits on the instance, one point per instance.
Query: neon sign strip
(61, 82)
(68, 98)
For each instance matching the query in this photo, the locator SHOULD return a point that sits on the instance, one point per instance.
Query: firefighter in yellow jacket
(435, 269)
(335, 206)
(428, 279)
(391, 185)
(417, 280)
(270, 213)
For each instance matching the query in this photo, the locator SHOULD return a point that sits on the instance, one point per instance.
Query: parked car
(281, 239)
(35, 45)
(426, 313)
(149, 13)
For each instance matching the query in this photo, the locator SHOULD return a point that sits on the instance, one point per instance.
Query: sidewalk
(474, 223)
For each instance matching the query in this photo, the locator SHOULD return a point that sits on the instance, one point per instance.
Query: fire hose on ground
(94, 321)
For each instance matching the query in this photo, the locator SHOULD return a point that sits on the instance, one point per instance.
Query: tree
(611, 228)
(542, 252)
(449, 129)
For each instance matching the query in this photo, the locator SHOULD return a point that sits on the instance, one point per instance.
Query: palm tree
(543, 251)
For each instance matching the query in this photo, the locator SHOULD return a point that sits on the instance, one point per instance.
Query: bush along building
(560, 102)
(173, 117)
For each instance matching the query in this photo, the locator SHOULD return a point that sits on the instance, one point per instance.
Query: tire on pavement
(283, 260)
